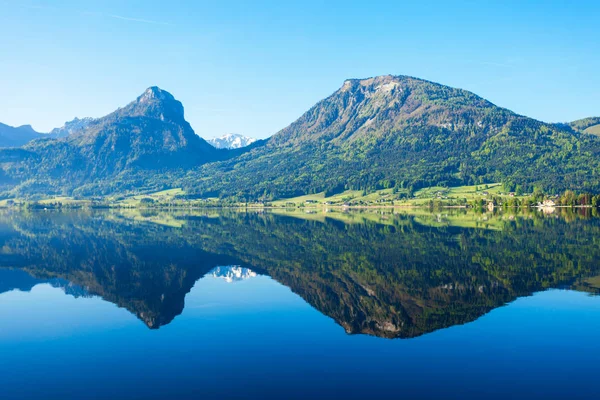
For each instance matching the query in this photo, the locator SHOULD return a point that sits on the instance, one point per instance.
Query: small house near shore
(547, 203)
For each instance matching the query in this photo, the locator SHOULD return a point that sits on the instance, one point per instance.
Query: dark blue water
(99, 306)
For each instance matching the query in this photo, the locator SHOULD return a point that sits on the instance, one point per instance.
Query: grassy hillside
(594, 129)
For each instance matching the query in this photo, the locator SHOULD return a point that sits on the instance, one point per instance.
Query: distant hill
(587, 125)
(406, 133)
(17, 136)
(231, 141)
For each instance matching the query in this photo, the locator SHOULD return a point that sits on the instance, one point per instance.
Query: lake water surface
(227, 304)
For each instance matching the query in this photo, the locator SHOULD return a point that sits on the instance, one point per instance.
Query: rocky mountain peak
(374, 82)
(155, 103)
(154, 93)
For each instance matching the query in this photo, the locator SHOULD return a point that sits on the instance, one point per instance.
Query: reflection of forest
(380, 274)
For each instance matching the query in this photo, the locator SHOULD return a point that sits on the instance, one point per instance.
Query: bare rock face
(71, 127)
(155, 103)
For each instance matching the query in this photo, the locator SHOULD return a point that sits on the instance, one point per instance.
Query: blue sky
(253, 67)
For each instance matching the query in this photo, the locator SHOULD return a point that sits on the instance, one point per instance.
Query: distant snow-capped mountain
(231, 141)
(232, 273)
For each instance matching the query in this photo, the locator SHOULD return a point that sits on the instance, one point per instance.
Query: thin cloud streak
(99, 14)
(145, 21)
(124, 18)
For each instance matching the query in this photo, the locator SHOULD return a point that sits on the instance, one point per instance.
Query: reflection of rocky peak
(391, 309)
(147, 271)
(69, 288)
(231, 273)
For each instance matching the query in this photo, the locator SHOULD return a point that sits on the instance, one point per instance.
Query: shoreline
(48, 207)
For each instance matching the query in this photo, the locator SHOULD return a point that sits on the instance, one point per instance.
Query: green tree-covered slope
(398, 131)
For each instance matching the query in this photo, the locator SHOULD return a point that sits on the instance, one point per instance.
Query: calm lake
(297, 305)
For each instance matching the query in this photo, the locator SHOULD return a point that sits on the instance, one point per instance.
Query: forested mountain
(121, 150)
(384, 132)
(17, 136)
(398, 131)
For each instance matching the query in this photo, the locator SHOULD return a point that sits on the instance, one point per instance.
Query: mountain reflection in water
(232, 273)
(381, 274)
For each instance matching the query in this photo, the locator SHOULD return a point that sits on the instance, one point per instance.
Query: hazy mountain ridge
(22, 135)
(11, 136)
